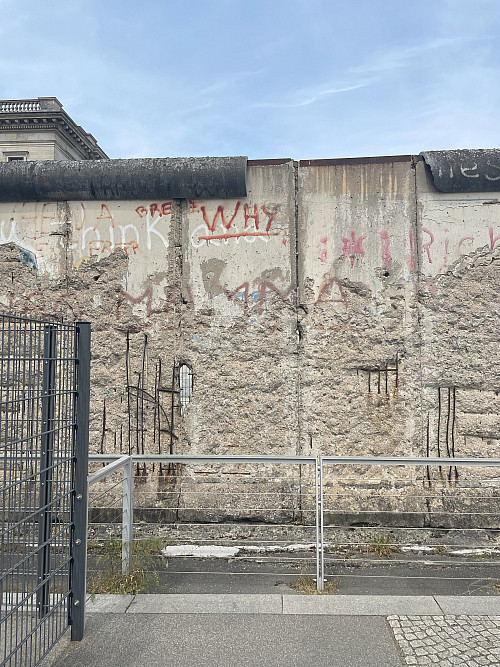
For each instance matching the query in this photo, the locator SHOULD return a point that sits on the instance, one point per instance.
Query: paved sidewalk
(448, 641)
(285, 631)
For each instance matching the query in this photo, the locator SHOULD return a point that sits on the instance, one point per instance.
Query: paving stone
(449, 640)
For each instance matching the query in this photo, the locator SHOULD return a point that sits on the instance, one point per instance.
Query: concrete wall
(342, 307)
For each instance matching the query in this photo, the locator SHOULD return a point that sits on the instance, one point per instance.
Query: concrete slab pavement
(224, 630)
(336, 605)
(231, 640)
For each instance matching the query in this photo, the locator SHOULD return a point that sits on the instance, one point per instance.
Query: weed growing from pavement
(109, 578)
(380, 545)
(306, 585)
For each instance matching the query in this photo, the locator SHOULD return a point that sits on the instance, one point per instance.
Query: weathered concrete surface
(238, 326)
(355, 221)
(151, 178)
(465, 170)
(336, 309)
(459, 316)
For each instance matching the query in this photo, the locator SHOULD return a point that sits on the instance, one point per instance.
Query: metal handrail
(118, 461)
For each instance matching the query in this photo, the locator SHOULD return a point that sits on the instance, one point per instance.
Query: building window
(185, 386)
(15, 156)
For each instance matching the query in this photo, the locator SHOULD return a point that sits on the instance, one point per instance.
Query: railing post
(128, 515)
(46, 468)
(80, 472)
(320, 562)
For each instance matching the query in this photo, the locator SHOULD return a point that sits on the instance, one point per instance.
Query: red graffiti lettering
(105, 214)
(446, 248)
(325, 292)
(463, 239)
(79, 227)
(427, 246)
(155, 209)
(97, 245)
(262, 293)
(192, 206)
(493, 239)
(130, 247)
(219, 213)
(353, 247)
(254, 216)
(263, 289)
(237, 235)
(246, 290)
(322, 251)
(40, 245)
(270, 214)
(147, 296)
(386, 253)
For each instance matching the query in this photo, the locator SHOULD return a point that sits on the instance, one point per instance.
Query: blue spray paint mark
(256, 295)
(27, 258)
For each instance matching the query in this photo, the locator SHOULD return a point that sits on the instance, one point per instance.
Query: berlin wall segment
(341, 308)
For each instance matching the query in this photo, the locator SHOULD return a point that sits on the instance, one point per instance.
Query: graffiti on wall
(440, 248)
(102, 234)
(92, 229)
(245, 221)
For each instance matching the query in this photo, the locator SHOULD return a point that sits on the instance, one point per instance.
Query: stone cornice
(47, 114)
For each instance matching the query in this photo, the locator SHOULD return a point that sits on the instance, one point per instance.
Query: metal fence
(44, 401)
(332, 517)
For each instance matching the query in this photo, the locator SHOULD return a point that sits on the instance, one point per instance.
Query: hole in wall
(185, 386)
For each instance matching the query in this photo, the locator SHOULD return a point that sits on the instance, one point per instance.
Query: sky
(304, 79)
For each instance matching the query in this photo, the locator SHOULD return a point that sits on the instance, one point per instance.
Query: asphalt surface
(396, 576)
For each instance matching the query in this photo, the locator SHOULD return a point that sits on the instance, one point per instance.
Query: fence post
(127, 516)
(46, 468)
(320, 562)
(80, 505)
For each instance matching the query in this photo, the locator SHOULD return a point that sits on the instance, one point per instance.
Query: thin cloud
(227, 81)
(368, 73)
(398, 58)
(310, 100)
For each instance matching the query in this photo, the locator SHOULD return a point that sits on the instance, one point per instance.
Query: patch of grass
(380, 545)
(306, 585)
(109, 578)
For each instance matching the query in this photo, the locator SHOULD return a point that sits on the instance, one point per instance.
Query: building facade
(40, 129)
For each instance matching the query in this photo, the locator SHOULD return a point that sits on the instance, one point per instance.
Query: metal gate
(44, 404)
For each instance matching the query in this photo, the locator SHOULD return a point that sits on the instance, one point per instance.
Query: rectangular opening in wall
(15, 156)
(185, 385)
